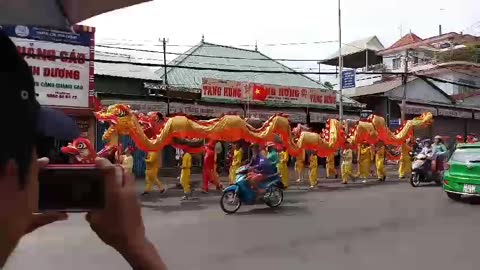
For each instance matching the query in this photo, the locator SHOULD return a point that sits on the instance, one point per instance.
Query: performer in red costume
(209, 175)
(82, 150)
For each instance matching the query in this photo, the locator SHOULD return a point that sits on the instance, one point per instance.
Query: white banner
(455, 113)
(141, 106)
(59, 62)
(417, 110)
(293, 116)
(318, 117)
(232, 91)
(203, 110)
(476, 115)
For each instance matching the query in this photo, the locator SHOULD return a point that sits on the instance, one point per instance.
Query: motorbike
(241, 192)
(422, 172)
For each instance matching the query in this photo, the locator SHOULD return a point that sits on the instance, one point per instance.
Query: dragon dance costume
(313, 175)
(364, 161)
(347, 165)
(236, 163)
(186, 173)
(405, 163)
(300, 165)
(151, 172)
(380, 163)
(330, 166)
(283, 168)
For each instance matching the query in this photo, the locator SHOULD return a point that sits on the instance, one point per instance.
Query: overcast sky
(235, 23)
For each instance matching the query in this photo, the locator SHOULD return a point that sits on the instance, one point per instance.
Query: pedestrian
(300, 165)
(380, 161)
(283, 167)
(127, 160)
(364, 160)
(440, 151)
(405, 162)
(331, 171)
(185, 175)
(347, 164)
(313, 165)
(236, 162)
(255, 158)
(178, 156)
(151, 174)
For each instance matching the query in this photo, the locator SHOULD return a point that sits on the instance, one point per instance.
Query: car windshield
(466, 155)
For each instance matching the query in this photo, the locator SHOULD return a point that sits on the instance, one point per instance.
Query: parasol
(60, 14)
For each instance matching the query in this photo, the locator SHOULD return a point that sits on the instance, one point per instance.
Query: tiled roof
(222, 59)
(123, 70)
(405, 40)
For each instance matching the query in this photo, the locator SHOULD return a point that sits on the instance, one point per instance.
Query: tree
(328, 85)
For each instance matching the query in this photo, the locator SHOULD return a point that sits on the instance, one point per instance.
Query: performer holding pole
(313, 175)
(236, 162)
(300, 165)
(151, 173)
(347, 164)
(380, 161)
(209, 167)
(405, 163)
(330, 166)
(185, 175)
(283, 167)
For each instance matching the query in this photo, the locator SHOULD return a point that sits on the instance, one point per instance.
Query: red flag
(259, 93)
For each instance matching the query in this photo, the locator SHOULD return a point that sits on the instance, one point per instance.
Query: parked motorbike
(422, 171)
(241, 192)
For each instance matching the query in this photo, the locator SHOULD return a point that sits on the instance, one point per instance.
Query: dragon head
(80, 146)
(119, 116)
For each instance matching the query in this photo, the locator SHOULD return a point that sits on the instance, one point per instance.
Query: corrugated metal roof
(370, 43)
(190, 78)
(123, 70)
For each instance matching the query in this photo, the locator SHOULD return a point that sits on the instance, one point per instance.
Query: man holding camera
(25, 123)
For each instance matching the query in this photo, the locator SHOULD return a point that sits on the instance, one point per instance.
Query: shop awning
(295, 116)
(204, 110)
(140, 105)
(322, 117)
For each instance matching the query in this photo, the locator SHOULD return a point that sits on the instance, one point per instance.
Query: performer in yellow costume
(330, 166)
(283, 167)
(313, 175)
(380, 161)
(347, 165)
(236, 163)
(405, 163)
(364, 160)
(300, 165)
(151, 173)
(185, 175)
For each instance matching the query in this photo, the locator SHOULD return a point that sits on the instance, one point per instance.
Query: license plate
(469, 188)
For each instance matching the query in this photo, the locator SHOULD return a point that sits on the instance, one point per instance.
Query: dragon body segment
(151, 134)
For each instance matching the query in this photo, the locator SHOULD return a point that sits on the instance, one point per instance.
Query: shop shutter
(448, 126)
(473, 126)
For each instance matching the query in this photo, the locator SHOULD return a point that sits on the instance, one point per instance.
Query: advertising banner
(203, 110)
(61, 63)
(243, 92)
(293, 115)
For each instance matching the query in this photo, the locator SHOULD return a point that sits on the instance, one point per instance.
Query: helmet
(459, 138)
(438, 137)
(270, 144)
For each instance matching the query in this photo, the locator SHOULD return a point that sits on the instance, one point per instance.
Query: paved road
(361, 226)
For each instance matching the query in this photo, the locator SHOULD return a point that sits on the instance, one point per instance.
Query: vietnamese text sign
(418, 110)
(139, 105)
(348, 79)
(232, 91)
(60, 63)
(223, 90)
(454, 113)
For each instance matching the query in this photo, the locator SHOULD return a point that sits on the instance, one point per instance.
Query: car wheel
(454, 196)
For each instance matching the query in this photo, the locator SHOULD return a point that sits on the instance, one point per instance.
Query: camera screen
(71, 189)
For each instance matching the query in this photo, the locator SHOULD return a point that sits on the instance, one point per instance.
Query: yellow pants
(364, 168)
(232, 173)
(347, 172)
(313, 175)
(381, 173)
(405, 167)
(283, 170)
(185, 180)
(299, 168)
(330, 168)
(151, 179)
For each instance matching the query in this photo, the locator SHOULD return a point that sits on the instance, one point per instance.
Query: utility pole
(404, 82)
(165, 79)
(340, 61)
(319, 72)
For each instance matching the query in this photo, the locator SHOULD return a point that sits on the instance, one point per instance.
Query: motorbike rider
(260, 172)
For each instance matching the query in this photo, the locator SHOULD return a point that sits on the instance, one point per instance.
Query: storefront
(62, 70)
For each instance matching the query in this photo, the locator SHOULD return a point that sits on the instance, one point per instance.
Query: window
(465, 155)
(396, 63)
(415, 60)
